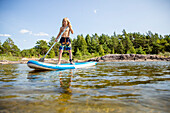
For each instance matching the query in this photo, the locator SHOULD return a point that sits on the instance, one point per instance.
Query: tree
(128, 44)
(1, 48)
(82, 45)
(121, 48)
(42, 47)
(93, 45)
(88, 41)
(106, 49)
(78, 53)
(115, 43)
(113, 50)
(51, 54)
(140, 50)
(56, 46)
(10, 48)
(74, 46)
(132, 50)
(167, 45)
(101, 50)
(25, 53)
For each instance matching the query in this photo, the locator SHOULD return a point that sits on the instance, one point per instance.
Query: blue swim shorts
(65, 43)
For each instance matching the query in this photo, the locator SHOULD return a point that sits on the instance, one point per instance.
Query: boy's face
(65, 22)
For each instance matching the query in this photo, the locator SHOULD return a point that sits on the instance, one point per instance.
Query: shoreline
(54, 61)
(106, 58)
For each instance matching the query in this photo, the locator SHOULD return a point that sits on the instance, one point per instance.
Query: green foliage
(121, 49)
(140, 50)
(51, 54)
(101, 50)
(78, 53)
(1, 48)
(113, 51)
(9, 48)
(132, 50)
(10, 58)
(94, 46)
(42, 47)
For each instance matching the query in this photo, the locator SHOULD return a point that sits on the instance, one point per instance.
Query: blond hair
(68, 22)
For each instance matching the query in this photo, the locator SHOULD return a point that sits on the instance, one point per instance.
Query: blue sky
(26, 21)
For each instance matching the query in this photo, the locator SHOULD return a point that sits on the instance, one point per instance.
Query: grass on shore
(10, 58)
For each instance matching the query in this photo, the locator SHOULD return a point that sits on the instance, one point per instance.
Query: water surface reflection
(106, 87)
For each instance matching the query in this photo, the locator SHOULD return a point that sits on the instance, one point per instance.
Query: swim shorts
(65, 43)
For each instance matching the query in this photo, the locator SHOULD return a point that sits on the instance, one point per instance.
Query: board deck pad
(47, 66)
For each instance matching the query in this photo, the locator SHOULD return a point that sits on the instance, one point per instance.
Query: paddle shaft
(54, 44)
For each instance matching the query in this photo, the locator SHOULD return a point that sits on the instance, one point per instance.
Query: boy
(65, 39)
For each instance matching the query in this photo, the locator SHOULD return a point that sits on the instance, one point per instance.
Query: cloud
(23, 31)
(41, 34)
(5, 35)
(95, 11)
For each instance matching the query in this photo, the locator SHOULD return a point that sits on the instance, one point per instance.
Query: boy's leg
(60, 55)
(70, 56)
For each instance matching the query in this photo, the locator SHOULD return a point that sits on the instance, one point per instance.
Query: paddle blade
(41, 60)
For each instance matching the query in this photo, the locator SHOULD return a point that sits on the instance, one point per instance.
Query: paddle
(42, 59)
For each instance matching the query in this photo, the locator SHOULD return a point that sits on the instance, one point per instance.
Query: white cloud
(23, 31)
(5, 35)
(95, 11)
(41, 34)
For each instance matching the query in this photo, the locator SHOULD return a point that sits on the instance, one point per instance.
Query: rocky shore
(106, 58)
(129, 57)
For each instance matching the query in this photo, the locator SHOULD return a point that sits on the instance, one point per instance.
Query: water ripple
(136, 84)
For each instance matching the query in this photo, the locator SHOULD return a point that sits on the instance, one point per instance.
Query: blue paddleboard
(47, 66)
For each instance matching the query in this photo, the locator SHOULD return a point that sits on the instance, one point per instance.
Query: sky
(26, 21)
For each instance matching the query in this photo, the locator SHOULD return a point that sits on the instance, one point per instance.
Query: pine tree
(115, 43)
(140, 50)
(128, 44)
(78, 53)
(101, 50)
(121, 48)
(10, 48)
(88, 41)
(113, 50)
(93, 46)
(132, 50)
(82, 45)
(1, 48)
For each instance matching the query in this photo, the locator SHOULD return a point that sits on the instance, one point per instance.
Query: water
(131, 87)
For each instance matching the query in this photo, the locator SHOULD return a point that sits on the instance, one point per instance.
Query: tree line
(125, 43)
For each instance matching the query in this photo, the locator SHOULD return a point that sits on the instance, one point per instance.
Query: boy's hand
(69, 25)
(56, 40)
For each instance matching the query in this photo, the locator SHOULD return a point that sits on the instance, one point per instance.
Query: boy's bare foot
(58, 63)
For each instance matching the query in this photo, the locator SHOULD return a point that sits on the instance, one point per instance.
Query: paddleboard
(47, 66)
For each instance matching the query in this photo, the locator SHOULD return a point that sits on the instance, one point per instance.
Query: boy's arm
(70, 27)
(58, 35)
